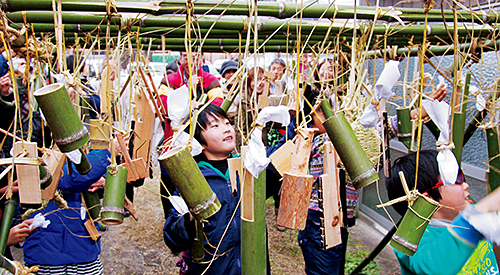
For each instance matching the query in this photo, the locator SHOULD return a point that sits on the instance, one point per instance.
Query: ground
(137, 247)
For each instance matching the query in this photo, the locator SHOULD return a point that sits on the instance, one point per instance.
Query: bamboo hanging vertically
(93, 203)
(112, 211)
(355, 161)
(459, 116)
(253, 233)
(6, 222)
(192, 186)
(404, 126)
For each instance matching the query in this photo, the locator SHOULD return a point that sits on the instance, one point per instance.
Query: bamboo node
(444, 146)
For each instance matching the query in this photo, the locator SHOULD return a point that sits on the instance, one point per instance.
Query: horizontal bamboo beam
(278, 9)
(264, 25)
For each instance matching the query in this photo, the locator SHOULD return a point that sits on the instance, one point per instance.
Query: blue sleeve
(175, 234)
(4, 65)
(75, 183)
(290, 134)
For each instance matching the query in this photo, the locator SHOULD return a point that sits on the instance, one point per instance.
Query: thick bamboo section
(112, 211)
(198, 247)
(253, 234)
(65, 125)
(239, 7)
(7, 215)
(459, 116)
(494, 161)
(404, 126)
(45, 177)
(8, 265)
(93, 204)
(188, 179)
(355, 161)
(412, 227)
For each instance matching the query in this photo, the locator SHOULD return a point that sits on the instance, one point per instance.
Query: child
(450, 244)
(217, 137)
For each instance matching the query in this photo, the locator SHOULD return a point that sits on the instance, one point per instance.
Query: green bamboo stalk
(8, 265)
(198, 247)
(274, 9)
(355, 161)
(253, 234)
(473, 124)
(404, 126)
(112, 211)
(494, 159)
(412, 227)
(93, 204)
(7, 215)
(45, 177)
(459, 122)
(228, 101)
(433, 128)
(65, 125)
(188, 179)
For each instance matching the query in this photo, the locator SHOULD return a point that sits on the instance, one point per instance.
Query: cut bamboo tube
(45, 177)
(99, 134)
(412, 227)
(188, 179)
(7, 214)
(93, 204)
(84, 166)
(55, 161)
(459, 116)
(404, 126)
(67, 129)
(355, 161)
(198, 247)
(28, 176)
(112, 211)
(253, 233)
(331, 197)
(493, 174)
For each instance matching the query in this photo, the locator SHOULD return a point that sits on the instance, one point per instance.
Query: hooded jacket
(178, 231)
(65, 240)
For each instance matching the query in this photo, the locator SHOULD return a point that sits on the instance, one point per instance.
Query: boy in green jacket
(450, 244)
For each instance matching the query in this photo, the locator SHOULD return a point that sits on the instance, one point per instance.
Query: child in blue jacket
(217, 137)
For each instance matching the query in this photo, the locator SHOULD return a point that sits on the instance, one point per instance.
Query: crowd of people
(65, 246)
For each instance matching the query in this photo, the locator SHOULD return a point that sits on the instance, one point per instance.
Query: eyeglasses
(460, 179)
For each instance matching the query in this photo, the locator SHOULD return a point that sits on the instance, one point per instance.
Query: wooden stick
(150, 94)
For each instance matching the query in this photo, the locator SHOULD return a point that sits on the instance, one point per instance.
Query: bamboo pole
(93, 203)
(274, 9)
(188, 179)
(357, 164)
(404, 126)
(7, 215)
(112, 211)
(493, 174)
(253, 234)
(198, 247)
(459, 116)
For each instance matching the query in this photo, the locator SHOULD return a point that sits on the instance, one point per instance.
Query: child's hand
(19, 233)
(15, 188)
(439, 94)
(97, 185)
(490, 203)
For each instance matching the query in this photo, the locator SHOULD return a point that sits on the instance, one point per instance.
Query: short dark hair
(73, 64)
(279, 61)
(428, 176)
(211, 110)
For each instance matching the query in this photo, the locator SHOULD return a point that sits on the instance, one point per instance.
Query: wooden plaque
(55, 161)
(295, 196)
(28, 176)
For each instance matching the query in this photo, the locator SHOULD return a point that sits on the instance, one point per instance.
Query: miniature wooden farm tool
(297, 184)
(355, 161)
(330, 198)
(187, 178)
(415, 221)
(136, 168)
(68, 131)
(28, 176)
(55, 162)
(99, 134)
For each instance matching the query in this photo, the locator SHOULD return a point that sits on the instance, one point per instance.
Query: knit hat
(228, 65)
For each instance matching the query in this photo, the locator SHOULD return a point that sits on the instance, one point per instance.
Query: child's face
(454, 198)
(219, 135)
